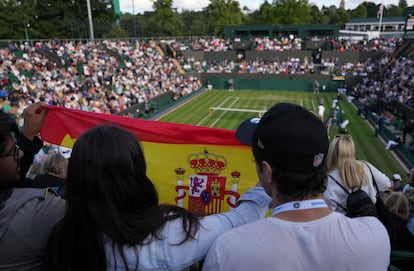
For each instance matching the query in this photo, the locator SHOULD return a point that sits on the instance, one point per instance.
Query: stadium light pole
(26, 31)
(134, 24)
(91, 36)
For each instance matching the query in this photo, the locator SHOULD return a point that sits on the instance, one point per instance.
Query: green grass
(196, 112)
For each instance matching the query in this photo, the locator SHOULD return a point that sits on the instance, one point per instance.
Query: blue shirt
(165, 254)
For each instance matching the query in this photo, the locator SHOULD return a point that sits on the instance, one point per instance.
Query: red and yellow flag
(202, 169)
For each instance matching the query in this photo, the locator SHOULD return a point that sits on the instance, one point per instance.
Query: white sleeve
(253, 206)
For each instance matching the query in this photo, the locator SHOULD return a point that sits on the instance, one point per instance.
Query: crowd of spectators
(274, 65)
(389, 97)
(286, 42)
(290, 65)
(105, 77)
(377, 44)
(393, 83)
(110, 76)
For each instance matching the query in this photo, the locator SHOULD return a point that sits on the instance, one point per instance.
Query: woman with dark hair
(113, 219)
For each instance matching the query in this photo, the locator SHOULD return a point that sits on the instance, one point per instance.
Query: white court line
(274, 99)
(222, 114)
(223, 102)
(313, 106)
(239, 98)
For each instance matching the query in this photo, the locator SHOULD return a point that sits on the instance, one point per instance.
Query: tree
(143, 24)
(46, 19)
(165, 20)
(15, 19)
(372, 9)
(403, 4)
(127, 23)
(292, 12)
(195, 23)
(115, 31)
(263, 15)
(222, 13)
(394, 11)
(267, 12)
(340, 17)
(359, 12)
(317, 16)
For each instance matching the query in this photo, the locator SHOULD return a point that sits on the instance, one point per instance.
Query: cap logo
(255, 120)
(317, 159)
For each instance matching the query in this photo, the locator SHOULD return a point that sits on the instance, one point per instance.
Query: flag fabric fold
(380, 11)
(200, 168)
(70, 122)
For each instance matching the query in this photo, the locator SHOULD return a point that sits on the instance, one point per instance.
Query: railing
(405, 153)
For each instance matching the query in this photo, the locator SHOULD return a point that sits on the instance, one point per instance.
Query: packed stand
(274, 65)
(105, 77)
(379, 95)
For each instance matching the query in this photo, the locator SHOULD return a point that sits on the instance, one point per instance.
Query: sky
(139, 6)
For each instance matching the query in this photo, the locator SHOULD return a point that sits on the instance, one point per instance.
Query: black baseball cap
(288, 136)
(7, 124)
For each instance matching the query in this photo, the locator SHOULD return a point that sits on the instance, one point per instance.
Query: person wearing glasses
(27, 215)
(350, 173)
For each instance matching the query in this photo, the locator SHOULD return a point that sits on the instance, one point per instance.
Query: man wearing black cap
(289, 145)
(27, 215)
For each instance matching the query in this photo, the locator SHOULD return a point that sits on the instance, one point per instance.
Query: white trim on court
(224, 112)
(221, 104)
(227, 109)
(237, 109)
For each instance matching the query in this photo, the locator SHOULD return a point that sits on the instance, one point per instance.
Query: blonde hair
(34, 170)
(55, 164)
(397, 203)
(341, 156)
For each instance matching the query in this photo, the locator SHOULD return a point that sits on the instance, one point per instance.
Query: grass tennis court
(196, 112)
(238, 105)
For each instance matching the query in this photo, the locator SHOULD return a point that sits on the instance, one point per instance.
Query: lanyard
(299, 205)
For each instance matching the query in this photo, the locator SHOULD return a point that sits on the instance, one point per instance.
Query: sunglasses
(14, 152)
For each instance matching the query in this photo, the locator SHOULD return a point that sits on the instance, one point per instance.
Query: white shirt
(165, 254)
(334, 242)
(335, 194)
(321, 110)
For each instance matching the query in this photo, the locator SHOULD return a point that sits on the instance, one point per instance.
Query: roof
(374, 20)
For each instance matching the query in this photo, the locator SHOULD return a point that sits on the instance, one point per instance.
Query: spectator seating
(402, 259)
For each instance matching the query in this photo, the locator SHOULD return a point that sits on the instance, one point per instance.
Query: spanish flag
(199, 168)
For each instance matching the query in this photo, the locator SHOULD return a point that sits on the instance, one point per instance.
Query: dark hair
(108, 193)
(294, 185)
(7, 125)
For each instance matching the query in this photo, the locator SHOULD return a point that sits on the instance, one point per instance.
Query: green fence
(291, 84)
